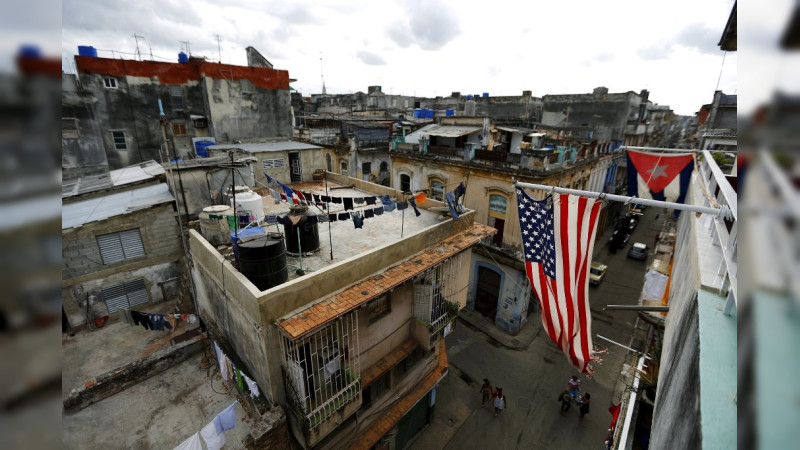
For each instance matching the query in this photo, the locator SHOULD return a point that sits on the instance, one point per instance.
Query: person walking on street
(574, 386)
(584, 405)
(486, 392)
(499, 401)
(566, 401)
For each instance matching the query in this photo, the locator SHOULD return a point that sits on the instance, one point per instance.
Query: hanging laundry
(269, 179)
(459, 191)
(185, 317)
(413, 204)
(227, 418)
(451, 203)
(370, 200)
(348, 203)
(193, 319)
(172, 322)
(307, 195)
(283, 220)
(231, 222)
(299, 194)
(325, 198)
(344, 216)
(316, 198)
(332, 217)
(193, 443)
(388, 204)
(336, 200)
(254, 392)
(288, 191)
(368, 214)
(156, 322)
(271, 219)
(378, 211)
(275, 195)
(358, 200)
(214, 440)
(283, 197)
(420, 198)
(239, 379)
(312, 219)
(141, 319)
(402, 205)
(358, 219)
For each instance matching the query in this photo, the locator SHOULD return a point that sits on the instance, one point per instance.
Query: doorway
(296, 174)
(487, 292)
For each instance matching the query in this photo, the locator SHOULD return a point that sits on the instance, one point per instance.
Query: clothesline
(213, 433)
(154, 321)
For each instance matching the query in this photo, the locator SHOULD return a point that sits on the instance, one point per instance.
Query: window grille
(322, 371)
(125, 295)
(434, 290)
(110, 83)
(119, 140)
(277, 163)
(176, 95)
(115, 247)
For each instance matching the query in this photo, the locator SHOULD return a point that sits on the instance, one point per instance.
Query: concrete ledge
(520, 341)
(119, 379)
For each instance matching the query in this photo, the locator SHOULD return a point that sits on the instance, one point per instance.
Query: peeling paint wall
(239, 110)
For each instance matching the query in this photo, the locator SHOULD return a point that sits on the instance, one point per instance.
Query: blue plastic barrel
(449, 112)
(417, 113)
(202, 148)
(469, 96)
(485, 94)
(30, 51)
(87, 50)
(183, 58)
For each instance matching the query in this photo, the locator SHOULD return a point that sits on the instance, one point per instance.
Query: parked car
(618, 239)
(638, 251)
(597, 273)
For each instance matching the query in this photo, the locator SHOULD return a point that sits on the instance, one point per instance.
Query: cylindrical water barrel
(87, 50)
(202, 148)
(262, 259)
(249, 203)
(301, 234)
(215, 230)
(183, 58)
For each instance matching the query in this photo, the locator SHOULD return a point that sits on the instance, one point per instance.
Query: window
(247, 87)
(110, 83)
(375, 390)
(179, 129)
(344, 168)
(69, 129)
(497, 216)
(125, 295)
(276, 163)
(379, 307)
(437, 189)
(176, 95)
(409, 361)
(405, 183)
(115, 247)
(119, 140)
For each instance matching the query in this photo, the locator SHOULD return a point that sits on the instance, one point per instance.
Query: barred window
(125, 295)
(273, 163)
(379, 307)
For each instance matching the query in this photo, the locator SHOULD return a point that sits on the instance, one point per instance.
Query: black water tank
(262, 259)
(309, 232)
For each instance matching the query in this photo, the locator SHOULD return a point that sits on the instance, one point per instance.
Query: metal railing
(373, 144)
(445, 151)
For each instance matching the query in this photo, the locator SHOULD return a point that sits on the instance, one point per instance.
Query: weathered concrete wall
(82, 152)
(196, 183)
(375, 158)
(83, 268)
(240, 110)
(676, 418)
(515, 291)
(376, 339)
(608, 113)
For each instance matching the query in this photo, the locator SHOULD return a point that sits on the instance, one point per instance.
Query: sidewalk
(521, 341)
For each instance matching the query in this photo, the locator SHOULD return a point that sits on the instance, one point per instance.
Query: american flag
(558, 238)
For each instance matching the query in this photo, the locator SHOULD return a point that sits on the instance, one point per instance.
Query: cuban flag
(659, 176)
(558, 235)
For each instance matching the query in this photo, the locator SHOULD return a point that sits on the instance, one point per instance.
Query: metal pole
(723, 211)
(672, 150)
(328, 211)
(235, 217)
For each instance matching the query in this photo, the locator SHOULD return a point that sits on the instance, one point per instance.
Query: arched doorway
(405, 183)
(344, 168)
(487, 290)
(329, 162)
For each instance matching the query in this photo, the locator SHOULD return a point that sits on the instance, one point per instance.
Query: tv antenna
(322, 74)
(136, 37)
(219, 51)
(186, 47)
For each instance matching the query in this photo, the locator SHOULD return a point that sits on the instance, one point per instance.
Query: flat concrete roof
(80, 213)
(347, 240)
(261, 147)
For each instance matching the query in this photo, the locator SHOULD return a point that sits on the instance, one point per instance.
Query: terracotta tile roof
(360, 293)
(388, 361)
(372, 435)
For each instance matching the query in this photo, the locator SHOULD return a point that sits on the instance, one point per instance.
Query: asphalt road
(532, 378)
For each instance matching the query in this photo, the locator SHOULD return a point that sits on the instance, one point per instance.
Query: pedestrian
(566, 401)
(584, 405)
(486, 392)
(574, 386)
(499, 401)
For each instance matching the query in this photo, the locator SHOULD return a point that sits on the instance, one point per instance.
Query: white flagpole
(723, 211)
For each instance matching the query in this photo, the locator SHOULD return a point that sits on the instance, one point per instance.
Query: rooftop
(101, 208)
(319, 314)
(347, 240)
(147, 170)
(260, 147)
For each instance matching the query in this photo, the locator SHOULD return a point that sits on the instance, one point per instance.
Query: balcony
(321, 378)
(373, 144)
(498, 156)
(433, 310)
(441, 150)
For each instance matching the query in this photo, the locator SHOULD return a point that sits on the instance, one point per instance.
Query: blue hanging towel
(451, 203)
(414, 205)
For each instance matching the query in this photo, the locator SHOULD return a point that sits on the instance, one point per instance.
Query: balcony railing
(498, 156)
(321, 371)
(373, 144)
(435, 304)
(445, 151)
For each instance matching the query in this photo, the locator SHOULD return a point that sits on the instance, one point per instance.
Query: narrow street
(533, 377)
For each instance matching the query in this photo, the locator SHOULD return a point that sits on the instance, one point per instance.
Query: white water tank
(249, 203)
(216, 231)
